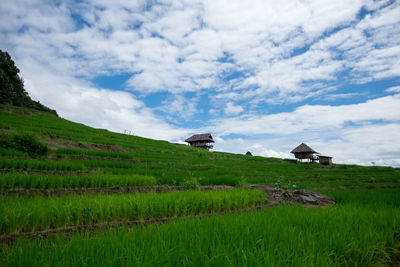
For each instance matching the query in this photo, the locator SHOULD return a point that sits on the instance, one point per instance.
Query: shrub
(25, 143)
(192, 184)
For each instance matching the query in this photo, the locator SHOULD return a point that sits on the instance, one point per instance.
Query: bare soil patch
(28, 171)
(18, 111)
(301, 197)
(328, 167)
(80, 145)
(107, 148)
(58, 141)
(395, 262)
(358, 187)
(82, 157)
(364, 181)
(3, 127)
(107, 190)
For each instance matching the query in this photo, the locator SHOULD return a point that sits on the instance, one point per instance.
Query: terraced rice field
(99, 198)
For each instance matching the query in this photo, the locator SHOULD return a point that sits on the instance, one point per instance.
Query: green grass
(26, 143)
(347, 235)
(96, 153)
(76, 147)
(362, 230)
(378, 197)
(42, 165)
(37, 213)
(43, 181)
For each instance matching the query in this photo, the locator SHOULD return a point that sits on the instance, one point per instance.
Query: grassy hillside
(54, 175)
(76, 149)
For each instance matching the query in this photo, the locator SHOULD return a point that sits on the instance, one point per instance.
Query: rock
(302, 197)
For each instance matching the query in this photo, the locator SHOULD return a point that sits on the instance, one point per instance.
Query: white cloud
(231, 109)
(176, 45)
(349, 133)
(312, 118)
(101, 108)
(228, 141)
(333, 97)
(181, 106)
(394, 89)
(254, 52)
(260, 150)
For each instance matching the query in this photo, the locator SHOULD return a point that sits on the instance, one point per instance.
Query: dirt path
(357, 187)
(54, 172)
(9, 239)
(349, 181)
(107, 190)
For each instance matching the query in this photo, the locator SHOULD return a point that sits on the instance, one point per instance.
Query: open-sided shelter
(201, 141)
(303, 151)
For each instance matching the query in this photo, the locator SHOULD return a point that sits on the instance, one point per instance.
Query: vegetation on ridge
(361, 230)
(75, 149)
(12, 86)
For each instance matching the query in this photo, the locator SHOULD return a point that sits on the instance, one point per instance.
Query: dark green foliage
(295, 161)
(12, 86)
(25, 143)
(248, 153)
(192, 184)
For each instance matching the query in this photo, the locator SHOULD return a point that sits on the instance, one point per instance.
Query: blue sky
(261, 76)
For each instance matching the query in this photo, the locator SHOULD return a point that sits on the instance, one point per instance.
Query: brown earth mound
(301, 197)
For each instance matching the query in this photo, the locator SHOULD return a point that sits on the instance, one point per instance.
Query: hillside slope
(70, 193)
(76, 149)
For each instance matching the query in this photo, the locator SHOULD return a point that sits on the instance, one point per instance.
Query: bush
(25, 143)
(191, 184)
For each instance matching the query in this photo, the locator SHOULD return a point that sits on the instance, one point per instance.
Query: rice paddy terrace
(75, 195)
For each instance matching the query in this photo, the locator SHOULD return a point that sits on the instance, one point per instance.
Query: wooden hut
(303, 151)
(201, 141)
(326, 160)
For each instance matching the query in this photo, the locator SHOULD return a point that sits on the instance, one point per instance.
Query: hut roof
(303, 148)
(200, 137)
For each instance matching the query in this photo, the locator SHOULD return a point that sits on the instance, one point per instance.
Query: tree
(12, 86)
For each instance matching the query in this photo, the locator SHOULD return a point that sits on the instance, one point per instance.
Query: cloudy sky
(261, 75)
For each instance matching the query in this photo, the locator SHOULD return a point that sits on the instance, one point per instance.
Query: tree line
(12, 89)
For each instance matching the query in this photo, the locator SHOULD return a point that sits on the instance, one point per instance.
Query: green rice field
(349, 234)
(362, 229)
(25, 213)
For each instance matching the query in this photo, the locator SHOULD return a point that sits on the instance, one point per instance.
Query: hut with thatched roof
(201, 141)
(326, 160)
(303, 151)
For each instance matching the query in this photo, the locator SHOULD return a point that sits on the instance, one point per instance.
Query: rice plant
(44, 181)
(347, 235)
(35, 213)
